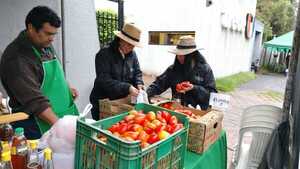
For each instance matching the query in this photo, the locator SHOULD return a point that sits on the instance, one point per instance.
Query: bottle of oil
(33, 156)
(19, 149)
(6, 132)
(5, 160)
(48, 162)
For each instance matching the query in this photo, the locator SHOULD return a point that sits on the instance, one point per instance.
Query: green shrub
(107, 22)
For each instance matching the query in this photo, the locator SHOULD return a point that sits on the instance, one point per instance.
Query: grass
(273, 94)
(229, 83)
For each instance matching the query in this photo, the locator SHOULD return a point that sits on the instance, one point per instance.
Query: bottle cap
(19, 131)
(48, 154)
(5, 156)
(33, 144)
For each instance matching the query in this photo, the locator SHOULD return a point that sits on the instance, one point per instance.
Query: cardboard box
(203, 131)
(110, 108)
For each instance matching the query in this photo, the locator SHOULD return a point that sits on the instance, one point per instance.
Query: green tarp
(213, 158)
(284, 42)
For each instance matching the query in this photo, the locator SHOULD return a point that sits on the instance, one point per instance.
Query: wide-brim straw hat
(185, 45)
(130, 33)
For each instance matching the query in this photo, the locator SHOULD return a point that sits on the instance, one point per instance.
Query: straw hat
(130, 33)
(185, 45)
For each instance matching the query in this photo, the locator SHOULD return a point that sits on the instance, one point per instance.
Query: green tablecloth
(213, 158)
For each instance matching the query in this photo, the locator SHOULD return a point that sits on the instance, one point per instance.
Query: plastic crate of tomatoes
(148, 137)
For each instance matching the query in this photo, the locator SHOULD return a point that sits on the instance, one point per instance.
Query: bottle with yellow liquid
(6, 160)
(48, 162)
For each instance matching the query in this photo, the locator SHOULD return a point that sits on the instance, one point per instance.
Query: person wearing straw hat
(191, 68)
(118, 73)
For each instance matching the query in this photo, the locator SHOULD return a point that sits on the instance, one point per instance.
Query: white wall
(81, 45)
(227, 51)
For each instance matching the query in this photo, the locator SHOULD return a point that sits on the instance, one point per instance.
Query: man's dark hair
(40, 15)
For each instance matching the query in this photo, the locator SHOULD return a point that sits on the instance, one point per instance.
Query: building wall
(226, 50)
(81, 45)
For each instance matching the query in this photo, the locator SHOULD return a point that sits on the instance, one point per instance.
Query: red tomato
(153, 138)
(151, 116)
(145, 122)
(132, 134)
(160, 118)
(167, 105)
(139, 119)
(173, 120)
(144, 144)
(166, 115)
(160, 128)
(136, 127)
(156, 122)
(169, 128)
(143, 136)
(151, 125)
(129, 117)
(128, 138)
(113, 128)
(179, 87)
(148, 130)
(177, 127)
(122, 128)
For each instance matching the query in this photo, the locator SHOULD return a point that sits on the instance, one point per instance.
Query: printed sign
(219, 101)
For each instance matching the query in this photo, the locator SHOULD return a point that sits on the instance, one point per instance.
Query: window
(167, 38)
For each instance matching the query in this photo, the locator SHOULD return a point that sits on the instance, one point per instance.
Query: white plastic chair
(260, 121)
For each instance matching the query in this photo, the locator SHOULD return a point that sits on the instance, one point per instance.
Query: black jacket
(114, 75)
(197, 71)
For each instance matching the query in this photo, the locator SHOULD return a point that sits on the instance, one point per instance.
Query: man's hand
(74, 92)
(133, 91)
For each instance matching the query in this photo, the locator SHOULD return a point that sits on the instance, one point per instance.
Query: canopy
(284, 42)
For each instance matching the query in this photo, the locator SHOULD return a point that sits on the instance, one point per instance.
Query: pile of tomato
(182, 86)
(147, 127)
(186, 112)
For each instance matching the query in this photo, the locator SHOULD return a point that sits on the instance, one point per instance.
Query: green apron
(56, 89)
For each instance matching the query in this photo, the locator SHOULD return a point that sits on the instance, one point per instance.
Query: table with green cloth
(213, 158)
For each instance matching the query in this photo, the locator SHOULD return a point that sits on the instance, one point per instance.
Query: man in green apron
(33, 77)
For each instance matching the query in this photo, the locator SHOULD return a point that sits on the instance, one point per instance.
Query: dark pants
(31, 129)
(95, 111)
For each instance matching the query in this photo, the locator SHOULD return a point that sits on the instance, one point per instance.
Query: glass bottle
(19, 149)
(5, 160)
(33, 156)
(6, 132)
(48, 162)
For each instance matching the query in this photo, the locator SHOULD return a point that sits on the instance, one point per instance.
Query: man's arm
(48, 116)
(21, 80)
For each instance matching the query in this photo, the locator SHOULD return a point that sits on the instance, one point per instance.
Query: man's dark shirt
(22, 75)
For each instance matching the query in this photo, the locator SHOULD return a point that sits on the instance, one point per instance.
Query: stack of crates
(116, 153)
